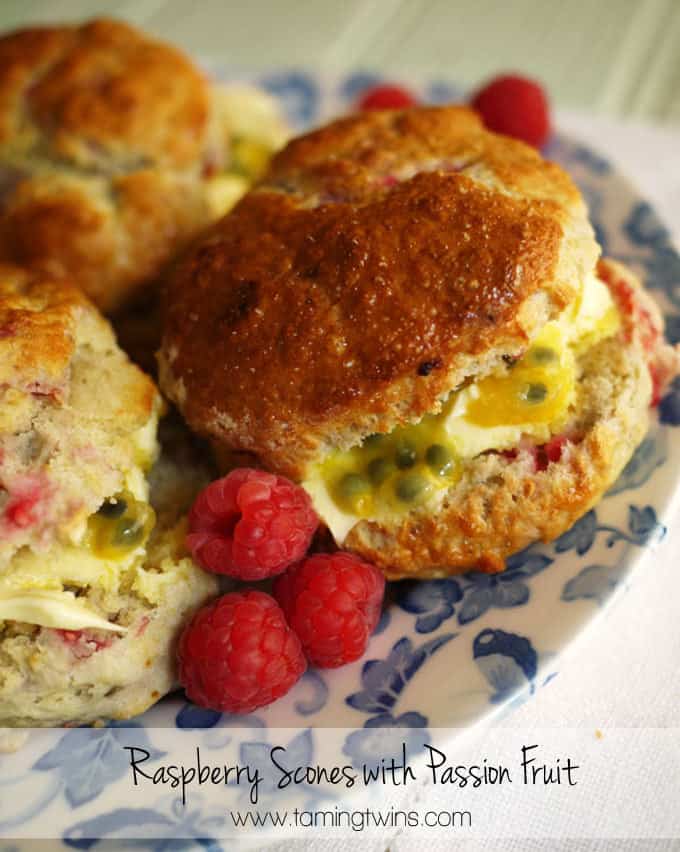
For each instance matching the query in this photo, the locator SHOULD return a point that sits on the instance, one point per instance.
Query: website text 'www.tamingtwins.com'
(354, 820)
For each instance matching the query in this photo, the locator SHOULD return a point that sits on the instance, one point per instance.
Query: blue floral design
(442, 92)
(661, 262)
(595, 582)
(644, 228)
(88, 759)
(354, 85)
(191, 716)
(384, 622)
(507, 589)
(384, 680)
(386, 737)
(431, 600)
(673, 329)
(507, 661)
(663, 273)
(299, 752)
(298, 93)
(434, 601)
(580, 537)
(643, 525)
(318, 697)
(669, 407)
(151, 829)
(647, 457)
(595, 201)
(643, 528)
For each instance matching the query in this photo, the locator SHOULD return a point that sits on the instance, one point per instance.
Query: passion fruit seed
(405, 456)
(438, 458)
(379, 470)
(114, 507)
(534, 393)
(543, 355)
(410, 486)
(128, 533)
(353, 485)
(374, 440)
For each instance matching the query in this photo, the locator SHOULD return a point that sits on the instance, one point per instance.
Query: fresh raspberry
(250, 525)
(549, 453)
(85, 643)
(238, 653)
(386, 97)
(515, 106)
(332, 602)
(22, 510)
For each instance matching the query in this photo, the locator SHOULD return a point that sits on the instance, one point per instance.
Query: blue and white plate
(449, 652)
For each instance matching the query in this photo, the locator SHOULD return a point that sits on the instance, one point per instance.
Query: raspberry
(84, 643)
(250, 525)
(386, 97)
(548, 453)
(515, 106)
(238, 653)
(332, 602)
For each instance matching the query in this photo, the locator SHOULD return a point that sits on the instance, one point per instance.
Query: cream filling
(32, 586)
(590, 317)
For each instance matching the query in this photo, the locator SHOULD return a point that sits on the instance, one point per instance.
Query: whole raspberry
(332, 602)
(250, 525)
(386, 97)
(515, 106)
(238, 653)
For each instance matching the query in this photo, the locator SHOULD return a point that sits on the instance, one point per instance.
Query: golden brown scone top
(101, 95)
(105, 138)
(46, 324)
(381, 261)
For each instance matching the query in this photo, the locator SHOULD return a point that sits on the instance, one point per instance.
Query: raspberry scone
(407, 317)
(91, 596)
(115, 150)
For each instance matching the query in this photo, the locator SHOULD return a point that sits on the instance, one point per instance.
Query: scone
(113, 151)
(91, 596)
(405, 316)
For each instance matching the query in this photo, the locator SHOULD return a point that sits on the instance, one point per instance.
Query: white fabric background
(625, 672)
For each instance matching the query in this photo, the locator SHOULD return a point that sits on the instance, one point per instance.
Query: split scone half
(406, 316)
(115, 150)
(92, 591)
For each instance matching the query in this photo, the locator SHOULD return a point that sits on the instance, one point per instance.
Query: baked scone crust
(104, 138)
(72, 409)
(504, 503)
(381, 261)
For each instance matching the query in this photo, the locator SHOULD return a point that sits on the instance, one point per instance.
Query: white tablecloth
(626, 673)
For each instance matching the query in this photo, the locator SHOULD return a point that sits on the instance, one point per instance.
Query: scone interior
(528, 401)
(88, 608)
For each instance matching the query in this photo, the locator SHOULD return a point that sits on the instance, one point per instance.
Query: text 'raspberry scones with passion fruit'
(115, 150)
(91, 595)
(407, 317)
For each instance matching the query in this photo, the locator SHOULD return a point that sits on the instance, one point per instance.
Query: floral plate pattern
(447, 652)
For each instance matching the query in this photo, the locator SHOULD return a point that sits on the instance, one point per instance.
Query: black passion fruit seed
(373, 440)
(353, 485)
(379, 470)
(405, 456)
(534, 393)
(438, 458)
(410, 486)
(543, 355)
(113, 508)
